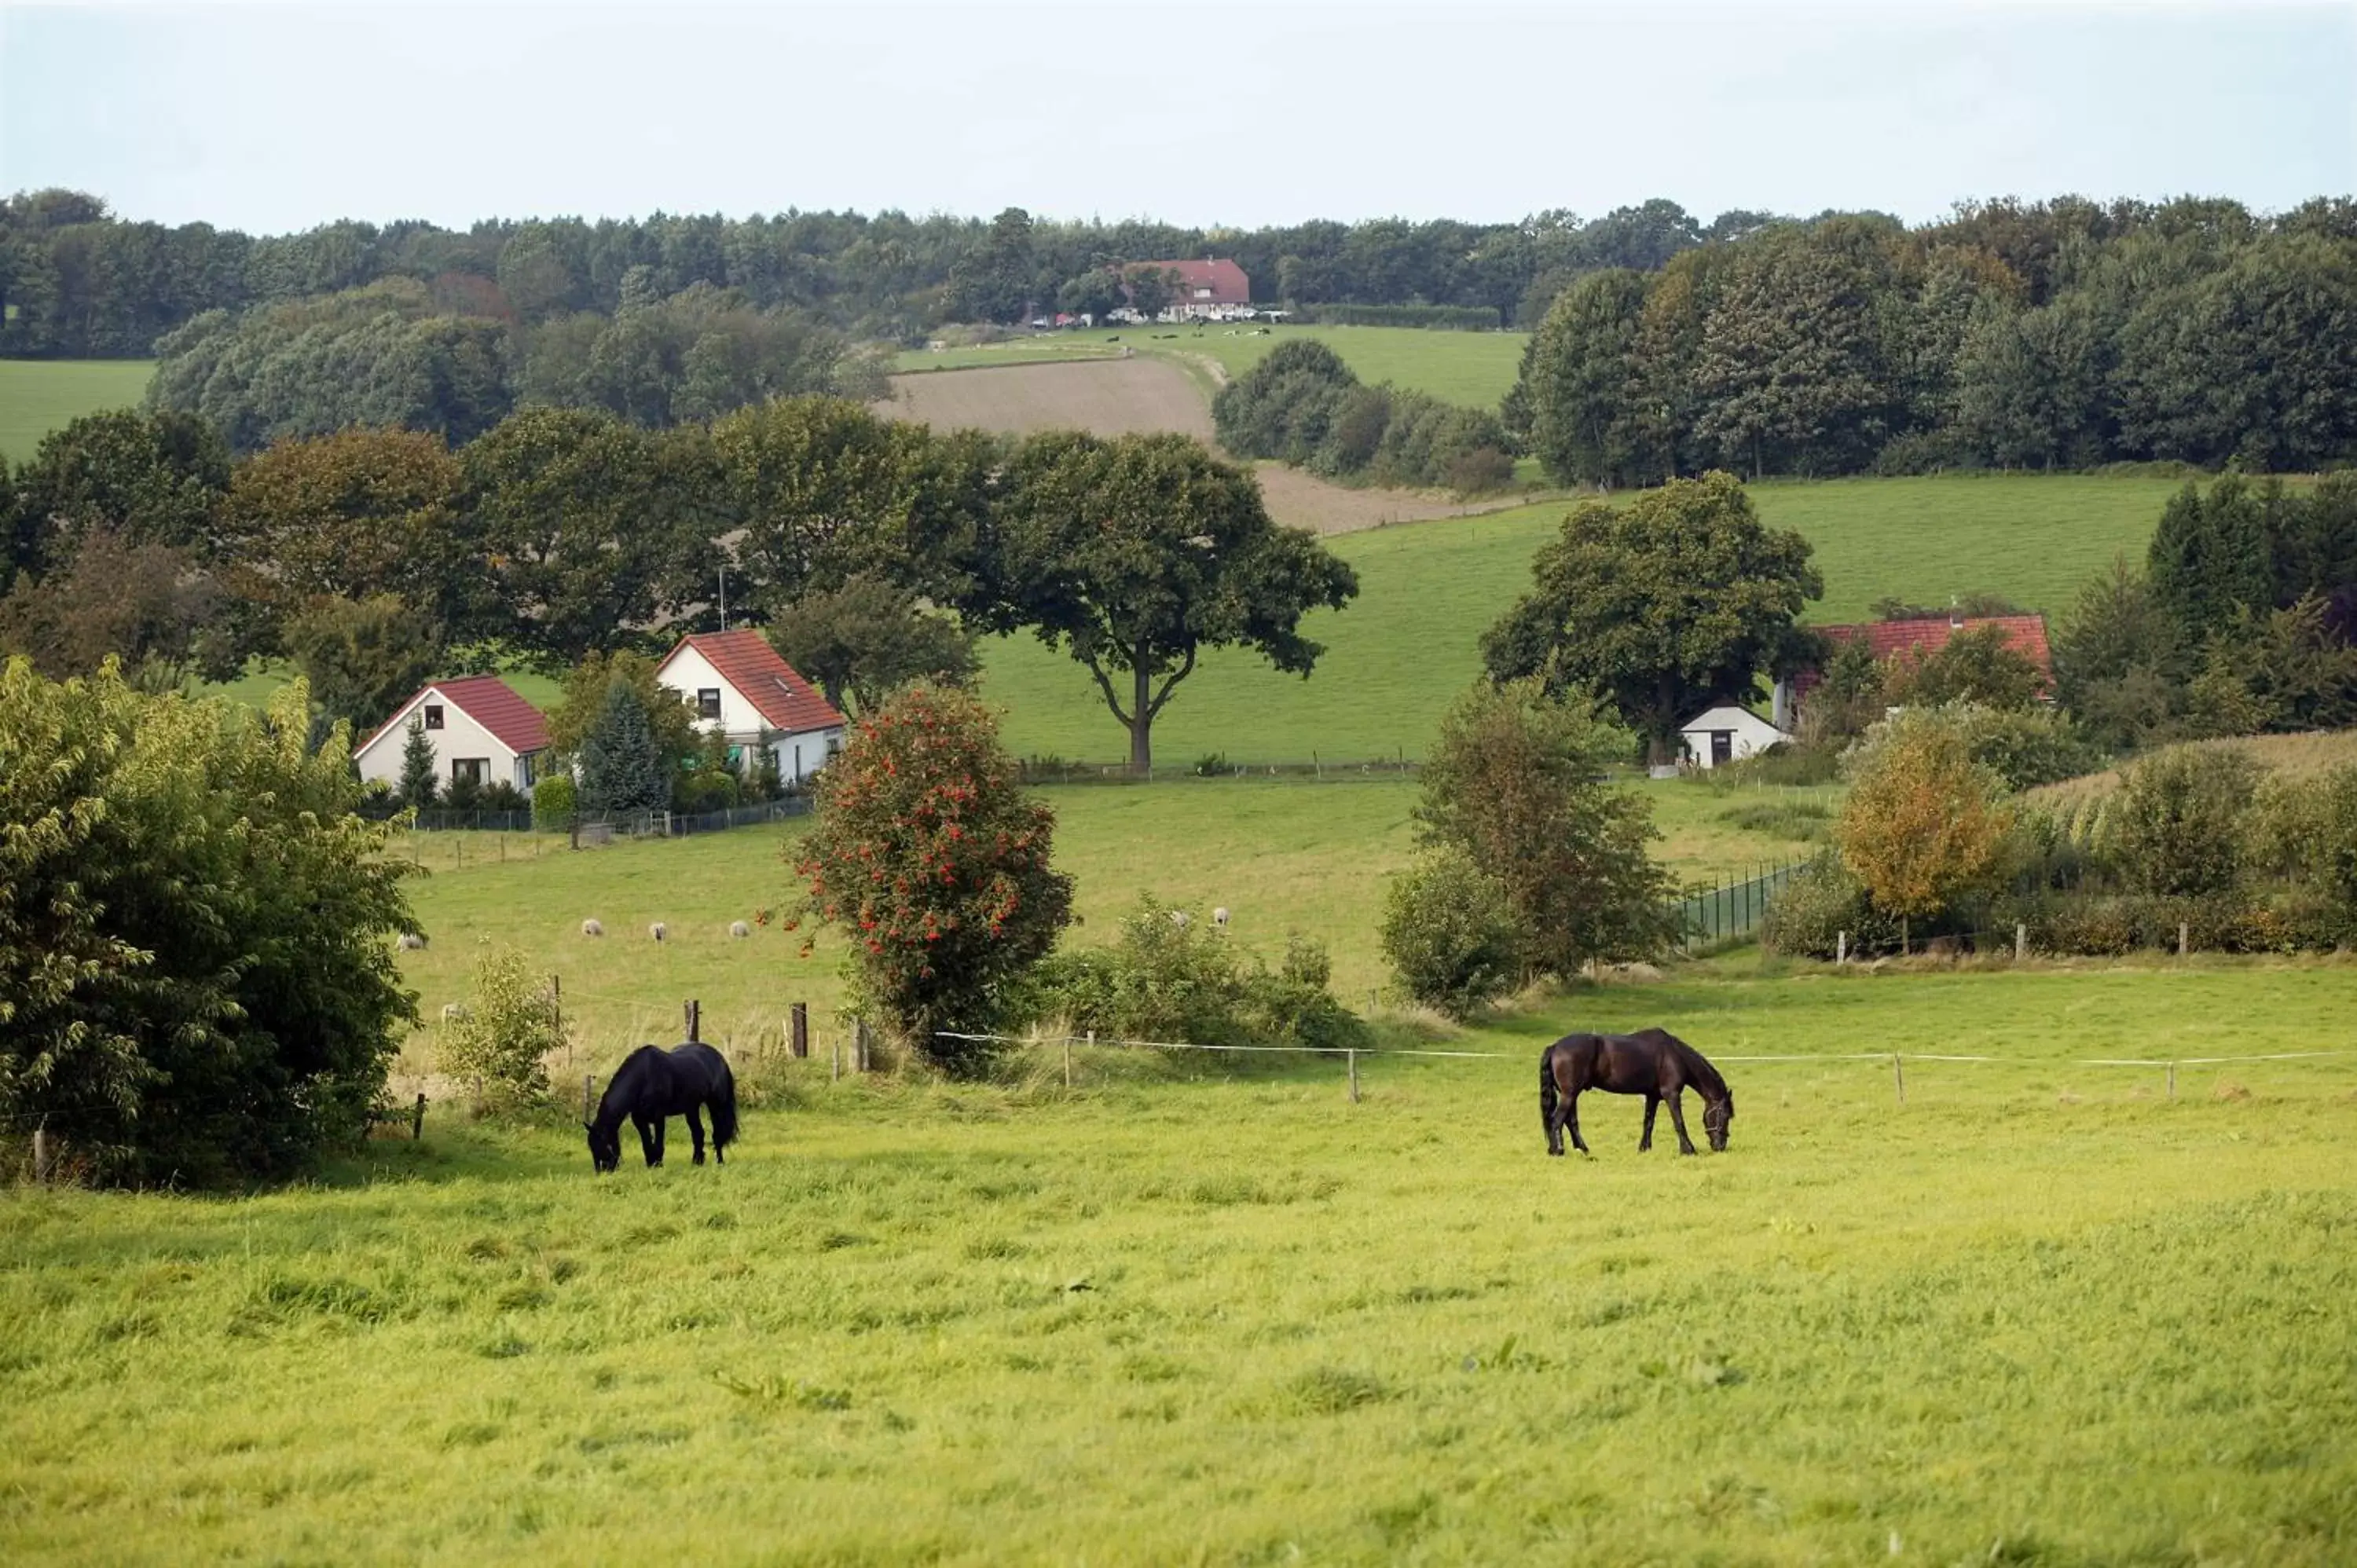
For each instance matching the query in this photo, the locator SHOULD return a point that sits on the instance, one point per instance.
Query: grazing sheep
(740, 929)
(454, 1011)
(592, 928)
(1219, 916)
(1178, 918)
(411, 943)
(656, 930)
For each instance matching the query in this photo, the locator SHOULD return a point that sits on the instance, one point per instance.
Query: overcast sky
(278, 117)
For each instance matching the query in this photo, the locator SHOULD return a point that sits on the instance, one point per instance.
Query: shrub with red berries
(933, 863)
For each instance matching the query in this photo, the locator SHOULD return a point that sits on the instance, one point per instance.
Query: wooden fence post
(836, 1041)
(800, 1039)
(557, 1006)
(2020, 941)
(1354, 1076)
(859, 1042)
(1093, 1039)
(2172, 1080)
(479, 1095)
(1841, 947)
(1898, 1077)
(694, 1012)
(2183, 929)
(417, 1119)
(41, 1155)
(1068, 1061)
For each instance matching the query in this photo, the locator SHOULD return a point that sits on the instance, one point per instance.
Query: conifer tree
(621, 766)
(418, 780)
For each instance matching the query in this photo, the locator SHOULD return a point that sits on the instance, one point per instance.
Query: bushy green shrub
(2027, 747)
(1449, 932)
(2180, 820)
(505, 1031)
(553, 803)
(1808, 914)
(1171, 976)
(1802, 819)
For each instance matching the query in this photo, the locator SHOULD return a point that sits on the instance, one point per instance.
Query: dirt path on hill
(1120, 397)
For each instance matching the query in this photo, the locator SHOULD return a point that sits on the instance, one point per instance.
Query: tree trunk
(1141, 723)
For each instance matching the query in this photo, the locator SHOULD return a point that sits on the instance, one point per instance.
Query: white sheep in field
(1219, 916)
(1178, 918)
(592, 928)
(411, 943)
(740, 929)
(453, 1012)
(658, 930)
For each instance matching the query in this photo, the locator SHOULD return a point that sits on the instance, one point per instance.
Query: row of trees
(372, 556)
(77, 281)
(2065, 336)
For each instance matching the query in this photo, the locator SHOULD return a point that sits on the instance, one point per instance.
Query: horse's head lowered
(1716, 1115)
(606, 1147)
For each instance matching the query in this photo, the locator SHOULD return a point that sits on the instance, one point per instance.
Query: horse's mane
(1706, 1077)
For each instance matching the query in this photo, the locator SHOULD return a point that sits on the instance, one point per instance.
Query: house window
(834, 745)
(474, 768)
(707, 702)
(433, 715)
(527, 773)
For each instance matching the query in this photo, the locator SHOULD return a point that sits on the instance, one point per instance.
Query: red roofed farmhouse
(1907, 640)
(477, 726)
(1213, 290)
(737, 684)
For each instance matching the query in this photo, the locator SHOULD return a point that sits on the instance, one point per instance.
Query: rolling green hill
(1427, 590)
(37, 396)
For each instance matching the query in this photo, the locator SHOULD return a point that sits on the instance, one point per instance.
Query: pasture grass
(1477, 369)
(2300, 756)
(37, 396)
(1203, 1311)
(1283, 856)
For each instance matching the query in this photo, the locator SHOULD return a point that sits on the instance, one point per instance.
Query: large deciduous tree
(1579, 385)
(353, 514)
(150, 478)
(1676, 600)
(936, 866)
(361, 657)
(1139, 552)
(148, 605)
(1925, 825)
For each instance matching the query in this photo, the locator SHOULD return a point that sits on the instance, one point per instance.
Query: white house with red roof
(1213, 290)
(477, 724)
(1916, 639)
(736, 683)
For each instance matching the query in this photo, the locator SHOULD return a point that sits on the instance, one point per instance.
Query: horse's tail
(723, 1110)
(1547, 1091)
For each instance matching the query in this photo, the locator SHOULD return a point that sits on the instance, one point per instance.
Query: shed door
(1722, 747)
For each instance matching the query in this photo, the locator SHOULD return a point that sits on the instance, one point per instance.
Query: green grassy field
(1283, 855)
(37, 396)
(1196, 1312)
(1412, 639)
(1474, 367)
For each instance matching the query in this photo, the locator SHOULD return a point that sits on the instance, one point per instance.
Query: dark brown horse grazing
(1652, 1062)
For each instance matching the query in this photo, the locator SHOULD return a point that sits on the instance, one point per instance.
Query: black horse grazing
(1652, 1062)
(652, 1084)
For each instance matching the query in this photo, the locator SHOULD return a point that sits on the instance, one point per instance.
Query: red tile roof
(1223, 278)
(747, 661)
(2025, 635)
(490, 701)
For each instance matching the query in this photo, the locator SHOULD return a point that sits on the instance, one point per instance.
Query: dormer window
(433, 715)
(707, 702)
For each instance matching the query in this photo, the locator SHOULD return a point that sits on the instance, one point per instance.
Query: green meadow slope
(37, 396)
(1411, 640)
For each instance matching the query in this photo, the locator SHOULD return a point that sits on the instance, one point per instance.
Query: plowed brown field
(1119, 397)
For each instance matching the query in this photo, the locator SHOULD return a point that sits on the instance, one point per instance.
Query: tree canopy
(1139, 553)
(1677, 600)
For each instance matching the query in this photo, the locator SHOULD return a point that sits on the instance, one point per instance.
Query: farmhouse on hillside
(736, 683)
(478, 727)
(1211, 290)
(1727, 733)
(1905, 641)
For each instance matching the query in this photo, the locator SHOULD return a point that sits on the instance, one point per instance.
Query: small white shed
(1727, 734)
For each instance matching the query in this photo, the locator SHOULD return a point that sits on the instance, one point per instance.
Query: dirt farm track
(1118, 397)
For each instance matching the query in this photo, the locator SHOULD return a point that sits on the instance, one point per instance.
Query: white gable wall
(460, 738)
(799, 755)
(1748, 734)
